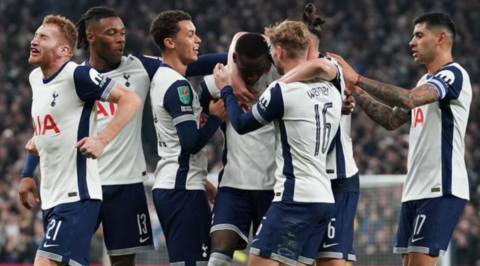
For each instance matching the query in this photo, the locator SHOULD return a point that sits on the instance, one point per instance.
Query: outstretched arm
(401, 97)
(387, 117)
(205, 64)
(427, 93)
(315, 68)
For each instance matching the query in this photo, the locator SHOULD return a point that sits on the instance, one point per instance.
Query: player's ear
(280, 52)
(235, 58)
(442, 37)
(169, 43)
(310, 43)
(90, 37)
(64, 51)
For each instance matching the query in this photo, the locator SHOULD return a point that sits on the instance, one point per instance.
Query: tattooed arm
(387, 117)
(409, 99)
(390, 94)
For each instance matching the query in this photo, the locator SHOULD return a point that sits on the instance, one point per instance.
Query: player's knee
(420, 259)
(123, 260)
(224, 241)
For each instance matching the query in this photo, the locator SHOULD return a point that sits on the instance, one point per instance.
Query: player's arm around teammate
(128, 105)
(386, 116)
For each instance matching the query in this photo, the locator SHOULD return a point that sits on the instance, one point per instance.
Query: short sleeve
(212, 87)
(270, 106)
(337, 81)
(150, 63)
(448, 81)
(91, 85)
(178, 102)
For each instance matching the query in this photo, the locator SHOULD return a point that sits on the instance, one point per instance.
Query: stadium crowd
(372, 35)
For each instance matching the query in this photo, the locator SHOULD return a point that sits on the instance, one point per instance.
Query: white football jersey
(340, 161)
(63, 113)
(173, 102)
(123, 160)
(306, 118)
(436, 164)
(248, 160)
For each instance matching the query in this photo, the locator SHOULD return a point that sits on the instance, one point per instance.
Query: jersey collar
(52, 77)
(429, 76)
(87, 63)
(166, 65)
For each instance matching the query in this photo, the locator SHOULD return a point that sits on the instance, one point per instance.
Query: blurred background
(372, 35)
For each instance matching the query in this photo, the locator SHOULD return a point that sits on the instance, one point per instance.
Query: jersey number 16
(327, 128)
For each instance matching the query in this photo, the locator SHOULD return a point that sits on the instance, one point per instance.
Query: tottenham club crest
(204, 248)
(55, 95)
(126, 77)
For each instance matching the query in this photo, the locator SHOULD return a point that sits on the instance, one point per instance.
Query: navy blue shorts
(185, 218)
(287, 227)
(69, 228)
(337, 243)
(125, 219)
(237, 210)
(426, 225)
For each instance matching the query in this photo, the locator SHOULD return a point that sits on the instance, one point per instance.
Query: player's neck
(292, 63)
(52, 68)
(313, 54)
(175, 63)
(439, 61)
(99, 63)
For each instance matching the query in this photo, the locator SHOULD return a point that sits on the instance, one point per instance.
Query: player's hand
(348, 105)
(349, 74)
(91, 147)
(242, 92)
(31, 147)
(211, 192)
(221, 76)
(217, 108)
(353, 89)
(27, 186)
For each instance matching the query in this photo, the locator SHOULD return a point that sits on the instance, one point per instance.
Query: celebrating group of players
(288, 160)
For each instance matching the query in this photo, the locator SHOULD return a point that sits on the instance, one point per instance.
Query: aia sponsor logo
(418, 117)
(105, 109)
(44, 125)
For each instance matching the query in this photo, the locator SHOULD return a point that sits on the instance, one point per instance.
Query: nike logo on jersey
(329, 245)
(45, 245)
(255, 240)
(416, 239)
(143, 239)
